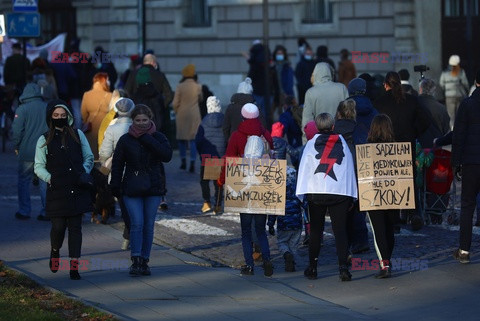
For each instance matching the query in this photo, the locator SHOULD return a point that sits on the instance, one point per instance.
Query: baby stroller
(440, 193)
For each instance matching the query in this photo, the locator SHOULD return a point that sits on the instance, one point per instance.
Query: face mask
(279, 57)
(59, 122)
(307, 57)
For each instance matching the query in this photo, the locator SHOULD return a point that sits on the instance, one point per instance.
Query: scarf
(137, 131)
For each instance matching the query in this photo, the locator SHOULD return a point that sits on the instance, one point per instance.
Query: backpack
(257, 147)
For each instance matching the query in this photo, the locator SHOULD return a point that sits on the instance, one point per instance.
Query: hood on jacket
(321, 73)
(31, 91)
(363, 105)
(242, 99)
(251, 127)
(213, 120)
(55, 103)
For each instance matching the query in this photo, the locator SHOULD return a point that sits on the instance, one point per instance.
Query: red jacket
(238, 140)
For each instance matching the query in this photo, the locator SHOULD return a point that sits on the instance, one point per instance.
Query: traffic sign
(23, 24)
(25, 5)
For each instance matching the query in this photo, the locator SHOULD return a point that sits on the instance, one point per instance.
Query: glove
(458, 172)
(271, 230)
(219, 182)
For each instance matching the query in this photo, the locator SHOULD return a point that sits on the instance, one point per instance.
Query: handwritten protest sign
(385, 176)
(255, 185)
(212, 168)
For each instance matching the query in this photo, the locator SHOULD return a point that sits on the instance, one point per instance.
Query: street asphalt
(195, 263)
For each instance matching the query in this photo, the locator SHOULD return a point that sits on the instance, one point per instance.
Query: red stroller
(440, 193)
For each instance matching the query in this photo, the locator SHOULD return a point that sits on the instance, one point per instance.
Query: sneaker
(206, 207)
(310, 273)
(345, 274)
(267, 268)
(42, 218)
(289, 262)
(21, 216)
(163, 203)
(462, 257)
(125, 244)
(246, 270)
(384, 273)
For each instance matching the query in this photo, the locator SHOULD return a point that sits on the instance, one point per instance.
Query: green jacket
(29, 122)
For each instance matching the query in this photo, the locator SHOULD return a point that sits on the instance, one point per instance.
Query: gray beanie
(124, 107)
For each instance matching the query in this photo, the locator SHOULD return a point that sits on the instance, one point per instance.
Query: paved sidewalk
(181, 287)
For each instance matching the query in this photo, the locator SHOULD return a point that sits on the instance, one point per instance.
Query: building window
(197, 14)
(458, 8)
(317, 11)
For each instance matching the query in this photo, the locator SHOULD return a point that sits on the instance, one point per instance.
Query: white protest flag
(326, 167)
(56, 44)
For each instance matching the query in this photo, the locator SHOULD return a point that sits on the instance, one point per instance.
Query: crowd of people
(121, 134)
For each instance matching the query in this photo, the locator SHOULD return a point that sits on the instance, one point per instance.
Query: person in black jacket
(466, 159)
(409, 121)
(136, 175)
(62, 155)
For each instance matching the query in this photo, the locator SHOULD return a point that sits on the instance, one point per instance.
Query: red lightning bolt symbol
(326, 152)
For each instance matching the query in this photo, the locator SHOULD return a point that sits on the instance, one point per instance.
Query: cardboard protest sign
(255, 185)
(212, 168)
(385, 176)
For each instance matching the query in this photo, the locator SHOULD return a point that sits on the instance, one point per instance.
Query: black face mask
(59, 122)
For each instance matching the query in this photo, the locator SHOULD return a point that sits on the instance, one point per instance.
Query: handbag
(138, 183)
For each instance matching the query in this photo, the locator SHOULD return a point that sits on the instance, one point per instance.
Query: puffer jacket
(60, 163)
(209, 139)
(236, 144)
(293, 210)
(145, 153)
(233, 113)
(465, 142)
(324, 96)
(112, 135)
(29, 122)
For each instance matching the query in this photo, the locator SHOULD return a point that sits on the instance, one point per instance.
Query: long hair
(346, 110)
(392, 79)
(381, 130)
(67, 130)
(101, 77)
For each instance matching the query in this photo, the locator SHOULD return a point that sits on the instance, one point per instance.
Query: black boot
(54, 261)
(311, 271)
(345, 274)
(192, 167)
(74, 270)
(135, 268)
(289, 262)
(184, 164)
(145, 269)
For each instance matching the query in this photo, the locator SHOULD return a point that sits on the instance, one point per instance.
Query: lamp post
(267, 63)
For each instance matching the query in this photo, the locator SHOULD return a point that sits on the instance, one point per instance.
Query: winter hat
(124, 107)
(310, 129)
(250, 111)
(245, 87)
(188, 71)
(213, 105)
(357, 86)
(454, 60)
(277, 129)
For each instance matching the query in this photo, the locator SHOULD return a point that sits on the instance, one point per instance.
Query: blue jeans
(25, 175)
(246, 224)
(182, 148)
(142, 212)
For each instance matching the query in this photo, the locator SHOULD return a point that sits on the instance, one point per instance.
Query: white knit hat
(213, 105)
(245, 87)
(250, 111)
(454, 60)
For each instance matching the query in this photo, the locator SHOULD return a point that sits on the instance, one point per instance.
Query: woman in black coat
(62, 155)
(136, 175)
